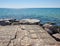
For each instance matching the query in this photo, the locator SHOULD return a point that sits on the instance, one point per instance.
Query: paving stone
(44, 35)
(26, 41)
(22, 33)
(33, 36)
(32, 31)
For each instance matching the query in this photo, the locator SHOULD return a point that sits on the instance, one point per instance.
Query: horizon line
(29, 8)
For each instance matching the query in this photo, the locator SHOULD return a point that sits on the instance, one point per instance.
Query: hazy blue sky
(29, 3)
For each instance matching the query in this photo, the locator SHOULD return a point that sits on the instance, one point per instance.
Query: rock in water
(57, 36)
(49, 28)
(29, 21)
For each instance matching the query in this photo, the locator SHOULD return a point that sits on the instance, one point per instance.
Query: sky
(29, 3)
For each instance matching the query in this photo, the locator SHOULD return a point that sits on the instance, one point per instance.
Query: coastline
(45, 15)
(25, 32)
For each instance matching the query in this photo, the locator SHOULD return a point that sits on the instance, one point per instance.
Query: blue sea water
(43, 14)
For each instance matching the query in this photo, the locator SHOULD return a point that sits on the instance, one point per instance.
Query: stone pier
(25, 35)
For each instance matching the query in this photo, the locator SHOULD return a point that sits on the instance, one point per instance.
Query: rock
(52, 23)
(47, 26)
(12, 20)
(4, 22)
(49, 31)
(29, 21)
(58, 29)
(57, 36)
(50, 28)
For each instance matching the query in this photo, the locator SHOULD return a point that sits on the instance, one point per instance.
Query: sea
(43, 14)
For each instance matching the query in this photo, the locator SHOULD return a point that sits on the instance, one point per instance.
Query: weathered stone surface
(25, 41)
(29, 21)
(51, 29)
(33, 36)
(25, 35)
(22, 33)
(57, 36)
(47, 26)
(7, 33)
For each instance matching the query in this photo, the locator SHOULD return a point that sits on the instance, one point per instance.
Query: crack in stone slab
(12, 39)
(29, 36)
